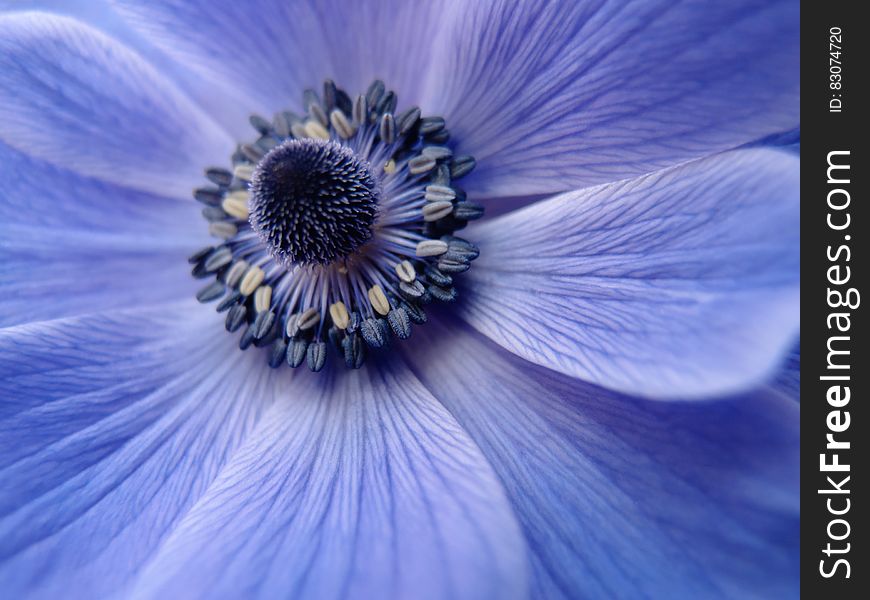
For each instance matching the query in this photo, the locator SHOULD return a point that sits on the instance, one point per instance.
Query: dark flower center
(313, 201)
(337, 227)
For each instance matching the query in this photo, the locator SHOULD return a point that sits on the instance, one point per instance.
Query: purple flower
(602, 411)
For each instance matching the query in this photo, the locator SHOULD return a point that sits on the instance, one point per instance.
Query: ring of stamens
(312, 201)
(337, 227)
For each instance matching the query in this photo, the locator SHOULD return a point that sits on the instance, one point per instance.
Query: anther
(296, 351)
(278, 353)
(421, 164)
(354, 351)
(236, 207)
(260, 124)
(431, 248)
(388, 129)
(298, 130)
(415, 313)
(252, 152)
(263, 298)
(200, 254)
(407, 119)
(243, 172)
(247, 338)
(437, 277)
(443, 294)
(378, 300)
(429, 125)
(372, 333)
(281, 122)
(462, 165)
(413, 290)
(212, 291)
(329, 94)
(400, 323)
(236, 317)
(309, 98)
(234, 275)
(433, 211)
(453, 265)
(252, 279)
(387, 103)
(291, 327)
(467, 211)
(434, 193)
(405, 271)
(374, 93)
(360, 110)
(437, 152)
(262, 323)
(213, 213)
(314, 129)
(308, 319)
(219, 176)
(229, 301)
(339, 315)
(218, 259)
(341, 124)
(318, 113)
(316, 356)
(222, 229)
(208, 196)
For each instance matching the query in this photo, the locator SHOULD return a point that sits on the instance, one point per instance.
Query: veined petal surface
(621, 497)
(78, 99)
(554, 96)
(679, 284)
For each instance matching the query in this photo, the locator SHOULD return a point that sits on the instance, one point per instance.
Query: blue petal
(625, 498)
(76, 98)
(561, 95)
(788, 380)
(112, 427)
(683, 283)
(93, 11)
(73, 245)
(221, 102)
(355, 485)
(271, 50)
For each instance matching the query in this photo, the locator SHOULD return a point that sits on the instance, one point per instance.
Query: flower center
(337, 228)
(312, 201)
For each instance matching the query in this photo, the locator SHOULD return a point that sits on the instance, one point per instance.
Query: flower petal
(555, 96)
(73, 245)
(625, 498)
(356, 485)
(682, 283)
(788, 380)
(112, 426)
(272, 50)
(221, 102)
(76, 98)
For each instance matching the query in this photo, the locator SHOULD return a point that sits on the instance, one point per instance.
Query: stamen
(379, 300)
(405, 271)
(251, 280)
(338, 312)
(431, 248)
(337, 227)
(308, 319)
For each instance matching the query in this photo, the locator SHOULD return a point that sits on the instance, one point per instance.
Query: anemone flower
(578, 395)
